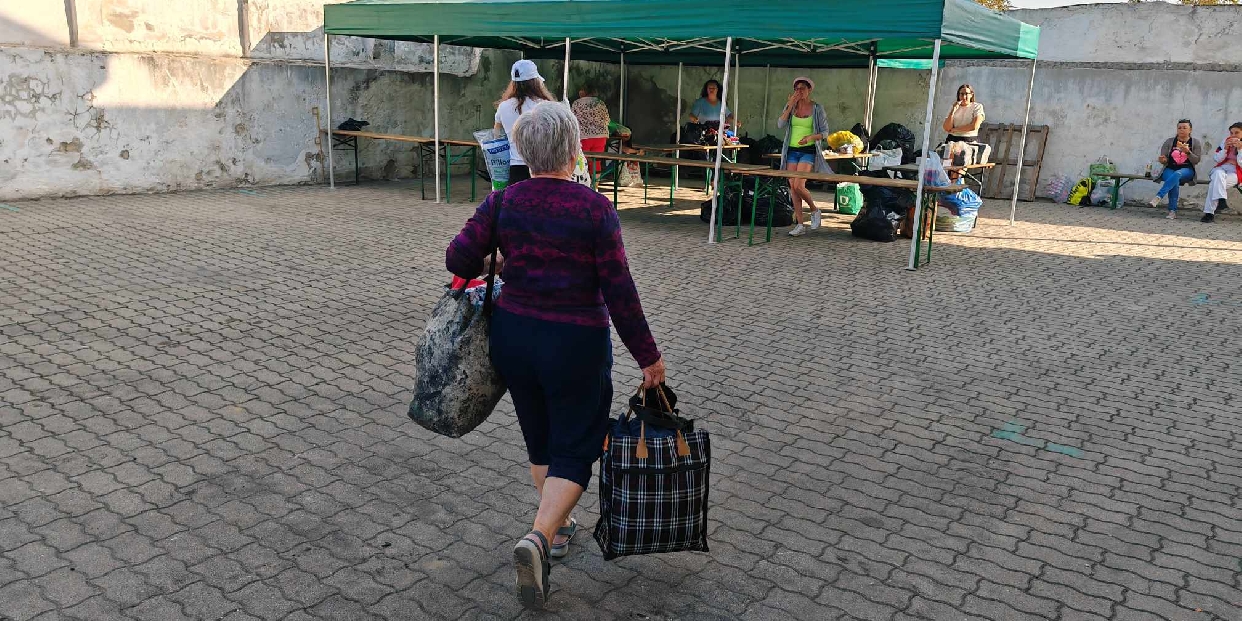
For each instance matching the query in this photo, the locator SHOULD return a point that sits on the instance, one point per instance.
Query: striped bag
(653, 481)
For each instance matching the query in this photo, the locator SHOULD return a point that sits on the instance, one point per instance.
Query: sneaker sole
(529, 575)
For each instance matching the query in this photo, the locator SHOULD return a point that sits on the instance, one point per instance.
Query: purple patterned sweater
(564, 260)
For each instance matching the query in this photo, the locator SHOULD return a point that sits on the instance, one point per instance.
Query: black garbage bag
(353, 125)
(782, 208)
(883, 210)
(768, 144)
(861, 132)
(897, 133)
(751, 154)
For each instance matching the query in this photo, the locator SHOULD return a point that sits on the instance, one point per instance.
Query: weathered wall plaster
(161, 96)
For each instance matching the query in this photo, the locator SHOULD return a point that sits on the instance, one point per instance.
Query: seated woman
(965, 118)
(1227, 172)
(706, 109)
(806, 125)
(1179, 154)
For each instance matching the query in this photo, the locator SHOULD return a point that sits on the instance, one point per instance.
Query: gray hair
(547, 137)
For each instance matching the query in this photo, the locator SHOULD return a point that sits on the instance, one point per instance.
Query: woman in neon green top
(806, 126)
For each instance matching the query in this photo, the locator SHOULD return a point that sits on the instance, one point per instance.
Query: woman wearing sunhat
(524, 91)
(806, 126)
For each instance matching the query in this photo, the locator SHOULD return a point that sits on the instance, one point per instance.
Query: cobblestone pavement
(202, 415)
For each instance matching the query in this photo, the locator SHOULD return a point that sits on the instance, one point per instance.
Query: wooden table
(729, 155)
(828, 156)
(426, 147)
(648, 160)
(964, 170)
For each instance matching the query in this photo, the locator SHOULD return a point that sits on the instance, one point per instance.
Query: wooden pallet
(1005, 139)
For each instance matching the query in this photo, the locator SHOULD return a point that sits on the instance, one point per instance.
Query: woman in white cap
(524, 91)
(806, 126)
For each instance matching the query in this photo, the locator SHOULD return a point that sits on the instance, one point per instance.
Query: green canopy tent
(784, 33)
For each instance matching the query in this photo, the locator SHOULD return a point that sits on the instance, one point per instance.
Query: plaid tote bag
(653, 481)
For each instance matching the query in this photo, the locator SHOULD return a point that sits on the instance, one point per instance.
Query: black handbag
(653, 481)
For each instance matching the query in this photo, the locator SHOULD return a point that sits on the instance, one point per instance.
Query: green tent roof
(790, 33)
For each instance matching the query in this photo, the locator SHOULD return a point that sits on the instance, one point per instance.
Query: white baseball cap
(524, 70)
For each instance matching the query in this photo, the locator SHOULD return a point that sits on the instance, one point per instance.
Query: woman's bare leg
(806, 194)
(795, 196)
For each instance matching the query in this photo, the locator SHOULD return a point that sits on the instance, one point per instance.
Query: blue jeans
(797, 157)
(1172, 183)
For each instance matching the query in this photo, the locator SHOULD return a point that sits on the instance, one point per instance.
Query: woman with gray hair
(565, 274)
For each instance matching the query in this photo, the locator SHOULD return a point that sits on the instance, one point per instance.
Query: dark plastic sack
(883, 210)
(861, 132)
(768, 144)
(352, 125)
(782, 208)
(901, 135)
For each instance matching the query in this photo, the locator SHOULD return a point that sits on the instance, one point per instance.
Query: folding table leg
(616, 183)
(672, 187)
(474, 168)
(754, 205)
(356, 177)
(448, 174)
(771, 206)
(741, 195)
(422, 170)
(646, 172)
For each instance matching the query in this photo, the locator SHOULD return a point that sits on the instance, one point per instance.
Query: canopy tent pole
(1030, 90)
(737, 91)
(621, 105)
(873, 72)
(767, 93)
(565, 86)
(711, 231)
(327, 83)
(435, 82)
(677, 154)
(927, 126)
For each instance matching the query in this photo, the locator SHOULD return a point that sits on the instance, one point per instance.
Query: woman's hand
(1183, 147)
(793, 98)
(654, 375)
(1162, 159)
(487, 263)
(802, 141)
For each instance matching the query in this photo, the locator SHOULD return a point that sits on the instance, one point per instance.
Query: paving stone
(202, 416)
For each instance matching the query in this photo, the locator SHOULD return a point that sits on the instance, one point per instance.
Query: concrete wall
(162, 96)
(100, 96)
(1113, 80)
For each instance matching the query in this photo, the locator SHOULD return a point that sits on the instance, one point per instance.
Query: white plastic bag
(935, 175)
(1102, 193)
(882, 158)
(496, 155)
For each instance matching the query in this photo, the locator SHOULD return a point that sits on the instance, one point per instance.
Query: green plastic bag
(849, 198)
(1100, 167)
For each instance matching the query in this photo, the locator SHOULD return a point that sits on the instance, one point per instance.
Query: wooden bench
(1124, 178)
(426, 147)
(648, 160)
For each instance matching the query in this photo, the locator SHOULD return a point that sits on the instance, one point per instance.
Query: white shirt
(965, 115)
(507, 116)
